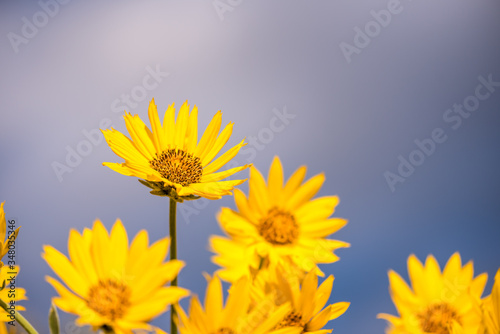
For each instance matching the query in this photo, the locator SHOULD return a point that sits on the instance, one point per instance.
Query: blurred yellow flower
(439, 303)
(7, 295)
(277, 222)
(4, 236)
(111, 285)
(169, 157)
(308, 301)
(491, 309)
(235, 317)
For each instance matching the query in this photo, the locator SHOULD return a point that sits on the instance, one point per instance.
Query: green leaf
(53, 320)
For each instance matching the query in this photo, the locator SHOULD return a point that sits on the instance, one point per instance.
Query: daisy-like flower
(112, 286)
(6, 295)
(236, 316)
(277, 222)
(169, 158)
(439, 302)
(308, 313)
(491, 309)
(4, 236)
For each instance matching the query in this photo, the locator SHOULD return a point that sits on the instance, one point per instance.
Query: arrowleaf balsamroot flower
(236, 316)
(169, 158)
(438, 302)
(111, 285)
(491, 309)
(308, 311)
(278, 222)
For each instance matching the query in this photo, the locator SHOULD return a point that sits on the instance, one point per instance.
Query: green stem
(20, 319)
(173, 256)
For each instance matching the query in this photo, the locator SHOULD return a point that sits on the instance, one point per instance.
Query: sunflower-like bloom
(12, 235)
(6, 295)
(169, 158)
(308, 313)
(236, 316)
(111, 285)
(439, 303)
(278, 222)
(491, 309)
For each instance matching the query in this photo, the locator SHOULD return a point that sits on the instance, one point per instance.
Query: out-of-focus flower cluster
(443, 302)
(277, 237)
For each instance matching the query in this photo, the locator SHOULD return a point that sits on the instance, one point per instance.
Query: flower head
(111, 285)
(439, 302)
(169, 158)
(235, 317)
(278, 222)
(491, 309)
(4, 236)
(308, 312)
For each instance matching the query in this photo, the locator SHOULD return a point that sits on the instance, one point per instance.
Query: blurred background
(368, 92)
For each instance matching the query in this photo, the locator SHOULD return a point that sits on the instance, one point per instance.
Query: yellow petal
(192, 131)
(218, 144)
(213, 301)
(123, 146)
(214, 177)
(169, 126)
(294, 181)
(258, 197)
(181, 127)
(223, 159)
(158, 135)
(305, 192)
(65, 269)
(142, 138)
(275, 181)
(209, 136)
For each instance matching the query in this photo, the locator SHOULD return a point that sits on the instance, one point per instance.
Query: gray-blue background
(352, 121)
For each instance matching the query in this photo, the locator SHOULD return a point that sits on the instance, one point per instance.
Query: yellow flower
(308, 302)
(12, 235)
(439, 303)
(491, 309)
(307, 299)
(277, 222)
(169, 157)
(235, 317)
(6, 295)
(112, 285)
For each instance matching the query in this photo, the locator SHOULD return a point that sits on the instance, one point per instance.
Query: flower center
(292, 319)
(438, 319)
(109, 298)
(224, 330)
(178, 166)
(279, 227)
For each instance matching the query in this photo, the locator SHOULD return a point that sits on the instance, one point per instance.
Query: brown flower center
(224, 330)
(279, 227)
(291, 319)
(109, 298)
(178, 166)
(438, 319)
